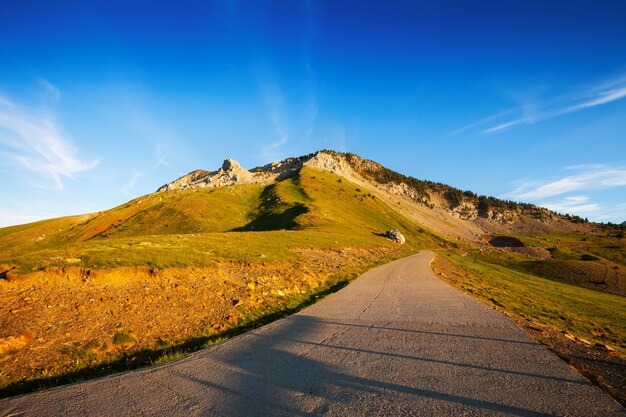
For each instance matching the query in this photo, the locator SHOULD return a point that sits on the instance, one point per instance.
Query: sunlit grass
(587, 314)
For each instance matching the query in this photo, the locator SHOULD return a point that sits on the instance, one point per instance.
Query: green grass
(579, 245)
(587, 314)
(592, 260)
(122, 338)
(195, 227)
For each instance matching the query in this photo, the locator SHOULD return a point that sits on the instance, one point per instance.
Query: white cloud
(587, 177)
(482, 122)
(131, 182)
(50, 89)
(573, 205)
(615, 213)
(35, 141)
(276, 108)
(161, 158)
(504, 126)
(582, 98)
(293, 119)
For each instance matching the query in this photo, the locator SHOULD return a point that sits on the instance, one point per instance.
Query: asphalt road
(397, 341)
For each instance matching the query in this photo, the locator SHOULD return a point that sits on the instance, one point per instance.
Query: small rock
(395, 236)
(136, 361)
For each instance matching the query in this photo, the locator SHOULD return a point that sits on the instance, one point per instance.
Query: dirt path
(397, 341)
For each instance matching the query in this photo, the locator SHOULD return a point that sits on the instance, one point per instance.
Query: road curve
(397, 341)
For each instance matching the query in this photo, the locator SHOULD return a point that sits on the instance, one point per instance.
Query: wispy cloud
(483, 121)
(574, 205)
(585, 177)
(293, 115)
(568, 194)
(276, 108)
(126, 188)
(161, 158)
(51, 90)
(290, 119)
(34, 140)
(616, 213)
(579, 98)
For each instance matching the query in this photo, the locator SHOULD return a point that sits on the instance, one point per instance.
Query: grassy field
(607, 244)
(587, 314)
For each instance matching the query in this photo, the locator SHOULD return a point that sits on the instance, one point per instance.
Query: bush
(123, 339)
(454, 197)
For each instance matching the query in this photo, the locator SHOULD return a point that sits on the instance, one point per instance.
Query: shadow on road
(268, 377)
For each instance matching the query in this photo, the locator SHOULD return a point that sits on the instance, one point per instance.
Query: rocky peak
(231, 165)
(232, 173)
(229, 174)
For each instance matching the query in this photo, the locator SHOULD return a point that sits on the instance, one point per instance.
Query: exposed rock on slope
(457, 213)
(186, 181)
(230, 173)
(395, 236)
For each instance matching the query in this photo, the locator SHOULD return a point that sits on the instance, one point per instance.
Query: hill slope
(214, 251)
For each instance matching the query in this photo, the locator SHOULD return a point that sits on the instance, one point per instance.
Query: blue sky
(103, 101)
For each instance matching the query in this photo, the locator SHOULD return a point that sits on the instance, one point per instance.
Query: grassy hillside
(171, 272)
(588, 314)
(585, 327)
(194, 227)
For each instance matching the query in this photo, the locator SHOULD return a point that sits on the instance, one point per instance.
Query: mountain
(216, 252)
(462, 214)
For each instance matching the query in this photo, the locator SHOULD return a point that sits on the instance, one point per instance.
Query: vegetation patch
(587, 328)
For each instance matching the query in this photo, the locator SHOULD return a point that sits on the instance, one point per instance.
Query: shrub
(123, 338)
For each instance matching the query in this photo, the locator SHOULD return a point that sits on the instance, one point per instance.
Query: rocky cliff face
(377, 178)
(232, 173)
(229, 174)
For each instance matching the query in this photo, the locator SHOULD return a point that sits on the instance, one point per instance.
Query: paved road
(397, 341)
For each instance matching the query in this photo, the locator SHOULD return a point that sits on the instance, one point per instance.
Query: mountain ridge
(490, 214)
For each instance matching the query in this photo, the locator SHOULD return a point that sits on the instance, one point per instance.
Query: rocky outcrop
(186, 180)
(490, 215)
(465, 211)
(406, 191)
(232, 173)
(282, 169)
(229, 174)
(334, 163)
(395, 236)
